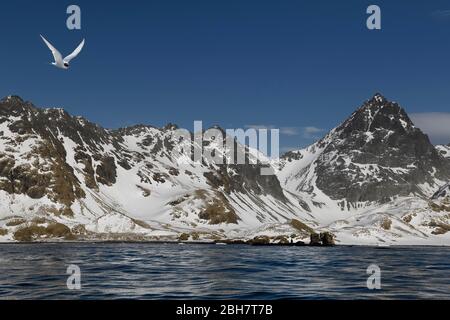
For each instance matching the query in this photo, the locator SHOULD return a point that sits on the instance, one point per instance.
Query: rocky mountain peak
(378, 98)
(377, 114)
(375, 155)
(11, 99)
(170, 127)
(15, 106)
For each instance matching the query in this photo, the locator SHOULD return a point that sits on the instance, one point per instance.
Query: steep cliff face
(32, 159)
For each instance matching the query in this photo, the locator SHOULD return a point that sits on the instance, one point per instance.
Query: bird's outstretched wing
(75, 52)
(56, 54)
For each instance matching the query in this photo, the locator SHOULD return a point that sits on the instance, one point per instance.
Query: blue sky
(302, 66)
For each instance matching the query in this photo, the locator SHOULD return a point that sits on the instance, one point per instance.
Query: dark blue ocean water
(171, 271)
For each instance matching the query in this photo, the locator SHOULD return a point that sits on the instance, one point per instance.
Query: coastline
(106, 242)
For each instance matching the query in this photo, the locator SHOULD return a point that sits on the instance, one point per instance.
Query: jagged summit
(378, 113)
(15, 106)
(12, 98)
(378, 98)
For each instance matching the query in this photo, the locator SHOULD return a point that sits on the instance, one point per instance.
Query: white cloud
(259, 126)
(442, 16)
(312, 132)
(441, 13)
(435, 124)
(290, 131)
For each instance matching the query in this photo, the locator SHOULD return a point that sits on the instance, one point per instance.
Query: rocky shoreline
(324, 239)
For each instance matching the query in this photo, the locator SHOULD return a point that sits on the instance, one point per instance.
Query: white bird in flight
(59, 61)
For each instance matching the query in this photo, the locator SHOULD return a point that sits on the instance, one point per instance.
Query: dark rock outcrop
(443, 192)
(315, 239)
(325, 239)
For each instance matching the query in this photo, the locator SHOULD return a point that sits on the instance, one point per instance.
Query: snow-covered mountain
(370, 180)
(65, 173)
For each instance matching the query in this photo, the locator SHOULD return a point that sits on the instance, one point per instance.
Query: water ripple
(164, 271)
